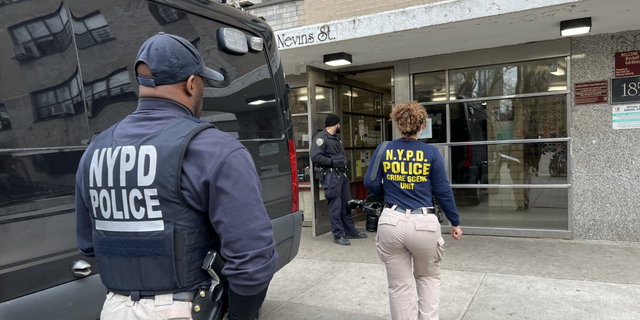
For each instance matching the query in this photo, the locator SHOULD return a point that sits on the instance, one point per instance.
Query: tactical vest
(147, 239)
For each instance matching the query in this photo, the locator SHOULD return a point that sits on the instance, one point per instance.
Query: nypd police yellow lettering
(406, 166)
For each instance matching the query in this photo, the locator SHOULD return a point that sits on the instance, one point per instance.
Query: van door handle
(81, 268)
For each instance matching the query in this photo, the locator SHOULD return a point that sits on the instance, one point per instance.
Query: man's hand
(456, 232)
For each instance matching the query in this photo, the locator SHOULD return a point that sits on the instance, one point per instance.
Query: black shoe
(359, 235)
(341, 241)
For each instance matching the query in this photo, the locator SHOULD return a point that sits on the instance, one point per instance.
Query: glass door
(320, 100)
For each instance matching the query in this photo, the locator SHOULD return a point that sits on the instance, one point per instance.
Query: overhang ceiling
(540, 24)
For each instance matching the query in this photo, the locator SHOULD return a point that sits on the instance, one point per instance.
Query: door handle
(81, 268)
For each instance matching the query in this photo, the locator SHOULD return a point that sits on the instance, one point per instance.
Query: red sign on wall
(591, 92)
(627, 64)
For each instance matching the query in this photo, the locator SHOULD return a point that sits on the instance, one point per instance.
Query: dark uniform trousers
(337, 191)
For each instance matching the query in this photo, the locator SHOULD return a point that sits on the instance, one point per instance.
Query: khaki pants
(119, 307)
(401, 238)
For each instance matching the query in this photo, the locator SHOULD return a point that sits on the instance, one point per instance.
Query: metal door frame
(320, 222)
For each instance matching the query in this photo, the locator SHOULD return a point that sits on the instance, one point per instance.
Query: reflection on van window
(110, 89)
(59, 101)
(165, 15)
(5, 123)
(41, 36)
(8, 2)
(28, 177)
(249, 81)
(91, 29)
(244, 122)
(196, 43)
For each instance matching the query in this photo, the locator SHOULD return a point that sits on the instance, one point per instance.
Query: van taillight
(294, 177)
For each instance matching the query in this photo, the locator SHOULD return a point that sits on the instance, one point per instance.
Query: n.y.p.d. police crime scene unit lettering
(406, 166)
(124, 200)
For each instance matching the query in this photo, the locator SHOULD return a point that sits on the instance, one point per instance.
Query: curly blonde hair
(409, 117)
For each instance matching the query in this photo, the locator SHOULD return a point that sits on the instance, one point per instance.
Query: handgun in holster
(319, 173)
(208, 303)
(437, 209)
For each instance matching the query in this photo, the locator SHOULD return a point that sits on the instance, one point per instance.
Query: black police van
(66, 74)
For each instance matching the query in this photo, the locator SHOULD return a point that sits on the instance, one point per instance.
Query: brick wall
(291, 14)
(284, 15)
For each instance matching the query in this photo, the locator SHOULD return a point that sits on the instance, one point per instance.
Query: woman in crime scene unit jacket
(409, 172)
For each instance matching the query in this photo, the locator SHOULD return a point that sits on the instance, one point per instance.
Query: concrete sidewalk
(483, 278)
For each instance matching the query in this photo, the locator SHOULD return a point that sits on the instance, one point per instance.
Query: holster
(207, 304)
(319, 173)
(437, 209)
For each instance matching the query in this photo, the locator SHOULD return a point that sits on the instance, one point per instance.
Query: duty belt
(413, 211)
(336, 169)
(177, 296)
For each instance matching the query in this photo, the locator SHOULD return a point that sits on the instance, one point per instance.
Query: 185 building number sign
(625, 89)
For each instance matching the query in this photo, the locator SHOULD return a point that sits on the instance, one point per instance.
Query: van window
(246, 106)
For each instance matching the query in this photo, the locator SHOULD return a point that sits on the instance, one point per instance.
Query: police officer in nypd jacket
(159, 189)
(407, 173)
(327, 152)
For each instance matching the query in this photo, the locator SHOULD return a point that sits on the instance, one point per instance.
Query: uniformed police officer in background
(159, 189)
(328, 154)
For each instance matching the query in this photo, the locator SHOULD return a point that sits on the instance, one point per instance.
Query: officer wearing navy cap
(158, 190)
(327, 152)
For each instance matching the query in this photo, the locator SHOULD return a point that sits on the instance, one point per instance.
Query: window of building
(165, 15)
(503, 131)
(59, 101)
(8, 2)
(110, 89)
(362, 127)
(42, 36)
(5, 123)
(299, 116)
(91, 30)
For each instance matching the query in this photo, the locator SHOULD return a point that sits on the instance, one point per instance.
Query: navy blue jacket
(214, 168)
(409, 169)
(327, 151)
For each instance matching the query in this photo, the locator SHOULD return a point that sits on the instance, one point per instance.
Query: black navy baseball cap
(171, 59)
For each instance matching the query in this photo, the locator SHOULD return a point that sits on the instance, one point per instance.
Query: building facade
(538, 130)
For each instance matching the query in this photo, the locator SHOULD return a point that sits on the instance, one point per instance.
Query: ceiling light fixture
(557, 88)
(575, 27)
(337, 59)
(305, 98)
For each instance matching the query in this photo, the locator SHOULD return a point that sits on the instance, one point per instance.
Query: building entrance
(363, 101)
